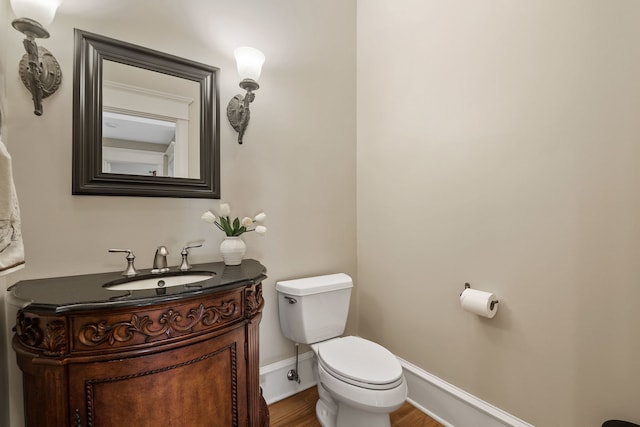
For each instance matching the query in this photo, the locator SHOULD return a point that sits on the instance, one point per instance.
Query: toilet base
(326, 408)
(343, 415)
(332, 413)
(349, 416)
(326, 413)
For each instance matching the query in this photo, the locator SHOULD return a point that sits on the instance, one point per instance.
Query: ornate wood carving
(253, 300)
(52, 341)
(234, 384)
(55, 339)
(28, 330)
(170, 323)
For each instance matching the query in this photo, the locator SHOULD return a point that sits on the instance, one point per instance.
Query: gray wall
(498, 144)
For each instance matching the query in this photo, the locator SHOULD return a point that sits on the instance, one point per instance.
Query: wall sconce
(38, 68)
(249, 61)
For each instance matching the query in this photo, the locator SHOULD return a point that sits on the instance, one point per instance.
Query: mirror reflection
(150, 123)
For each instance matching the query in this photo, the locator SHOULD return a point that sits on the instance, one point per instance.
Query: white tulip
(260, 217)
(261, 229)
(225, 209)
(246, 221)
(209, 217)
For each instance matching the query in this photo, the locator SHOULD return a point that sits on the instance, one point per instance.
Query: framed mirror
(145, 123)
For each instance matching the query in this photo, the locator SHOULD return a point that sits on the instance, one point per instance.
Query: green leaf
(240, 231)
(225, 225)
(236, 225)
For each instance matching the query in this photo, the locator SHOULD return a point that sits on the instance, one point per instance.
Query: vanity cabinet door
(202, 384)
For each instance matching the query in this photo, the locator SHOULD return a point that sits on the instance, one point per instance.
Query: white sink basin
(160, 282)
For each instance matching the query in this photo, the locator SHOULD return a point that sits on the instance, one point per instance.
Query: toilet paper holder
(492, 304)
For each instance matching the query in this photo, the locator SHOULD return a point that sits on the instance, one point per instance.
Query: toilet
(359, 382)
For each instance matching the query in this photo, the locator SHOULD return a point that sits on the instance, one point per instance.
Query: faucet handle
(130, 270)
(192, 246)
(184, 266)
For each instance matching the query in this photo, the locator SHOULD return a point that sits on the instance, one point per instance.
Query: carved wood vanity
(176, 356)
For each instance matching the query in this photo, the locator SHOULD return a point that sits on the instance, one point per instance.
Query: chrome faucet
(184, 266)
(130, 270)
(160, 260)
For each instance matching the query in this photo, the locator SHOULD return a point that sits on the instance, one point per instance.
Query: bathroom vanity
(184, 355)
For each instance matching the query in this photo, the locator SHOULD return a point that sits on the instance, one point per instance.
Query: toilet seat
(360, 362)
(366, 399)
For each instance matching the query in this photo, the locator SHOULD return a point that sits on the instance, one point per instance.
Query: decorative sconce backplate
(238, 111)
(50, 75)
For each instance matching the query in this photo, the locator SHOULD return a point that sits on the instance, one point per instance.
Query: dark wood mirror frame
(88, 178)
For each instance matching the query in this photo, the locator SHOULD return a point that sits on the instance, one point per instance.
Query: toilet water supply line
(292, 375)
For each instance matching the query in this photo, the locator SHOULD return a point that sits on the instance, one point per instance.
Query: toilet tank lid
(315, 285)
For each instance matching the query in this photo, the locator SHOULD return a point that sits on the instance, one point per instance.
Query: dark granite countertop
(86, 292)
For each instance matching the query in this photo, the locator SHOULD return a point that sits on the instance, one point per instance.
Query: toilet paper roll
(479, 302)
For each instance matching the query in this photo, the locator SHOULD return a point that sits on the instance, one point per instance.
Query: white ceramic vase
(232, 249)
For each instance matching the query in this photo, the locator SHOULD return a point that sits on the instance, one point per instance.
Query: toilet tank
(314, 309)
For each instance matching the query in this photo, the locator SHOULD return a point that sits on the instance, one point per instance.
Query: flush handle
(291, 300)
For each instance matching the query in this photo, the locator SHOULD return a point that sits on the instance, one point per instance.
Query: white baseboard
(451, 406)
(444, 402)
(274, 382)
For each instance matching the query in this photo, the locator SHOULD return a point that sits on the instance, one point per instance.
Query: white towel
(11, 247)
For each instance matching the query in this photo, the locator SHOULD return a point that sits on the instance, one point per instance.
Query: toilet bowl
(363, 380)
(359, 382)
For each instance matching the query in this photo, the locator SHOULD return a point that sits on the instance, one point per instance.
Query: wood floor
(300, 411)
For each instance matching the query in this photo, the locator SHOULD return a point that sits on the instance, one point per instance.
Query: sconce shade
(249, 61)
(42, 11)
